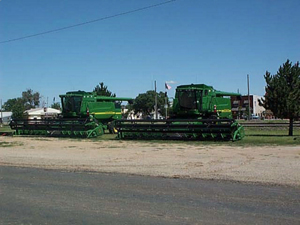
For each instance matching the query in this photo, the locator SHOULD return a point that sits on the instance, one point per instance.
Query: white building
(257, 109)
(5, 117)
(41, 113)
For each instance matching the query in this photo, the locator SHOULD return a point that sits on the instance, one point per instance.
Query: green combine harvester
(84, 114)
(200, 113)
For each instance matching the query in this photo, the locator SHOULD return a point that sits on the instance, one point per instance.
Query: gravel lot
(264, 164)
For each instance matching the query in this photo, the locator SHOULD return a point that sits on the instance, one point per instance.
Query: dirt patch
(279, 165)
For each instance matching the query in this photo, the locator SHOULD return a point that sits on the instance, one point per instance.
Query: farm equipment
(84, 114)
(200, 113)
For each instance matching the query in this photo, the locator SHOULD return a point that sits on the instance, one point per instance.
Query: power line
(88, 22)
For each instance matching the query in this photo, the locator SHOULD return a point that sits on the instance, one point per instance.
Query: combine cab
(200, 113)
(84, 114)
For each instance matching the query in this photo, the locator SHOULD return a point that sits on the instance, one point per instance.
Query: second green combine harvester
(199, 112)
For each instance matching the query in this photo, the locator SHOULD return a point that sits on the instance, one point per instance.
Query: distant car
(252, 117)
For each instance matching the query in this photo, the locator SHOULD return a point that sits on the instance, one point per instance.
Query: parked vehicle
(200, 112)
(83, 114)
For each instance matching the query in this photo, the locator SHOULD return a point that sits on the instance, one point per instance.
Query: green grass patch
(105, 137)
(5, 128)
(268, 140)
(269, 136)
(255, 136)
(270, 131)
(264, 121)
(5, 144)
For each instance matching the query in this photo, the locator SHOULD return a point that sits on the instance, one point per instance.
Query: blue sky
(213, 42)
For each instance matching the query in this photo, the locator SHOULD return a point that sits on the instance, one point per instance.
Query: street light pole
(166, 103)
(1, 112)
(156, 113)
(248, 97)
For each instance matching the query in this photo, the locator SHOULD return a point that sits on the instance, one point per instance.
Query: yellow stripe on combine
(224, 110)
(105, 113)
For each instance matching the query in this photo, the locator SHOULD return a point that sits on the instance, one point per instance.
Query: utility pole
(155, 107)
(248, 97)
(1, 122)
(166, 103)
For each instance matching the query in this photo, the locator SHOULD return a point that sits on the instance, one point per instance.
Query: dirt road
(274, 164)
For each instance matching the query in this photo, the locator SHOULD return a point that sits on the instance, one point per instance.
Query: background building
(41, 113)
(5, 117)
(240, 107)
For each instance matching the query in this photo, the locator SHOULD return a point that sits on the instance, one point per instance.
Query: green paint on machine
(84, 114)
(199, 113)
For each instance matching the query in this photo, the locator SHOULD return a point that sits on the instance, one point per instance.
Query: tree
(9, 104)
(282, 95)
(145, 103)
(31, 99)
(16, 106)
(55, 105)
(102, 90)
